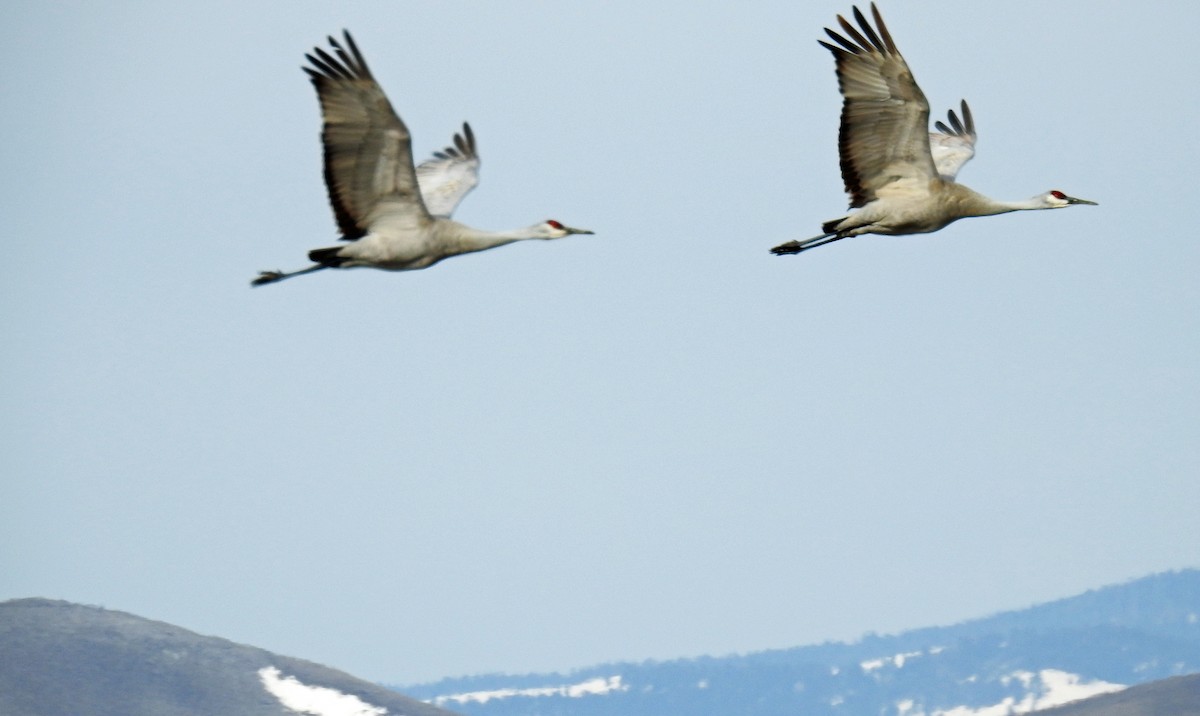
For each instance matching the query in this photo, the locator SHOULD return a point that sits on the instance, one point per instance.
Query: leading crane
(900, 177)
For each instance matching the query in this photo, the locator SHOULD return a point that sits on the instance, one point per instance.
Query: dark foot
(265, 277)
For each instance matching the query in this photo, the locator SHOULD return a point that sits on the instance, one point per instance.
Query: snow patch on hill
(1045, 689)
(591, 687)
(896, 661)
(314, 700)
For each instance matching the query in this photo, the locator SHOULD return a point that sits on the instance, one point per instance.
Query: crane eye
(1058, 194)
(554, 223)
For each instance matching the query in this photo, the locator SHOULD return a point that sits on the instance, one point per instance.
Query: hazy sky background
(658, 441)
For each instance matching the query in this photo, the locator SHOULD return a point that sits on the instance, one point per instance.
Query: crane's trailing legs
(265, 277)
(832, 234)
(795, 247)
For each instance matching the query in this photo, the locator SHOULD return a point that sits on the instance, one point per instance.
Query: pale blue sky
(658, 441)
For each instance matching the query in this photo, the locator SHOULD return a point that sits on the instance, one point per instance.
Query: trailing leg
(265, 277)
(795, 247)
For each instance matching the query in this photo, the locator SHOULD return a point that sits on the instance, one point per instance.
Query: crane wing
(953, 146)
(883, 140)
(368, 151)
(450, 175)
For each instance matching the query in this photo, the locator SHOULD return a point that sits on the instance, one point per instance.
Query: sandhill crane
(899, 176)
(396, 217)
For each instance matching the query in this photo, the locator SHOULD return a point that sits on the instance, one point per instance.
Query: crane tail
(831, 226)
(327, 257)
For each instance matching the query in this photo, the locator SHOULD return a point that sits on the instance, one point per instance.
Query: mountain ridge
(1109, 637)
(1119, 650)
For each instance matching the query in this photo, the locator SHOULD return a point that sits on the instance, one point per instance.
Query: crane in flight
(395, 216)
(900, 176)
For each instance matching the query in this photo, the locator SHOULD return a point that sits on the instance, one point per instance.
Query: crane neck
(465, 239)
(1029, 204)
(991, 207)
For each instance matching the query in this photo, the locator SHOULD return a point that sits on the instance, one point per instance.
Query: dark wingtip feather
(328, 65)
(356, 59)
(835, 50)
(889, 43)
(864, 43)
(958, 127)
(870, 31)
(348, 65)
(470, 136)
(849, 46)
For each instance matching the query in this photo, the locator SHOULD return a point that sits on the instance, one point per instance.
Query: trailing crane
(395, 216)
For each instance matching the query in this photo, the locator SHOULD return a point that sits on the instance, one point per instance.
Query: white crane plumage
(395, 216)
(900, 177)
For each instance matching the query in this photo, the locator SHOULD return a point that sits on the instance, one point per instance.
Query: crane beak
(570, 230)
(1073, 200)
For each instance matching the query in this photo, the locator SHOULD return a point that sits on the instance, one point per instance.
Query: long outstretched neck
(468, 239)
(990, 207)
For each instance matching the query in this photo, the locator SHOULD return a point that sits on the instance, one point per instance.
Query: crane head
(1055, 199)
(551, 229)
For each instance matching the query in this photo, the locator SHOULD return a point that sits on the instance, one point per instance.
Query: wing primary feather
(360, 63)
(347, 60)
(470, 137)
(865, 44)
(958, 127)
(354, 64)
(344, 67)
(866, 26)
(889, 43)
(835, 50)
(850, 46)
(329, 65)
(317, 63)
(968, 119)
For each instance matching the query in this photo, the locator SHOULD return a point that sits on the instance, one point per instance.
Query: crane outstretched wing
(953, 146)
(884, 136)
(368, 151)
(450, 175)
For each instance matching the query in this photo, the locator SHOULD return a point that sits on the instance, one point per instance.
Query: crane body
(900, 177)
(398, 245)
